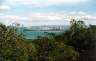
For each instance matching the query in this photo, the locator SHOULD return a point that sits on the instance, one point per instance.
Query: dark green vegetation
(76, 44)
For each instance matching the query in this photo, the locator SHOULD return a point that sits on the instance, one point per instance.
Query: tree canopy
(68, 46)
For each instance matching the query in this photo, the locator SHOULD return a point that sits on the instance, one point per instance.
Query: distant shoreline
(44, 30)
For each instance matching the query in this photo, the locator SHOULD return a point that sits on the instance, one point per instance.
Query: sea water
(36, 34)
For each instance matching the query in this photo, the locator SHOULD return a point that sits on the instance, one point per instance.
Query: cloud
(60, 18)
(4, 8)
(89, 17)
(9, 19)
(43, 3)
(41, 18)
(46, 16)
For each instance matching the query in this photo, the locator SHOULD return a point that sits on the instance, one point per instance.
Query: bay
(36, 34)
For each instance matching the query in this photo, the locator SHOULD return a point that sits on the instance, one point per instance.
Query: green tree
(14, 47)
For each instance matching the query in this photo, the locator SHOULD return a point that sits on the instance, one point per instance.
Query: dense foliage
(68, 46)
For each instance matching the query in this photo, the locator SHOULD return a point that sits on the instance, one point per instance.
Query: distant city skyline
(47, 12)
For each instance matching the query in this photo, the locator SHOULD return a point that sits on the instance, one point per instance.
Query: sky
(47, 12)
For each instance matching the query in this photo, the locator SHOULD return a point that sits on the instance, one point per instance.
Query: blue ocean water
(39, 31)
(32, 34)
(35, 34)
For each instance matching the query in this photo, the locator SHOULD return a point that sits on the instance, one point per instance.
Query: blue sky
(46, 12)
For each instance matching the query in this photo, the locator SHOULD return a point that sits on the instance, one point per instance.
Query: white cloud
(4, 8)
(40, 18)
(9, 19)
(89, 17)
(78, 13)
(40, 3)
(46, 16)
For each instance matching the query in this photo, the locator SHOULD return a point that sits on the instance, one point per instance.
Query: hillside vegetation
(76, 44)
